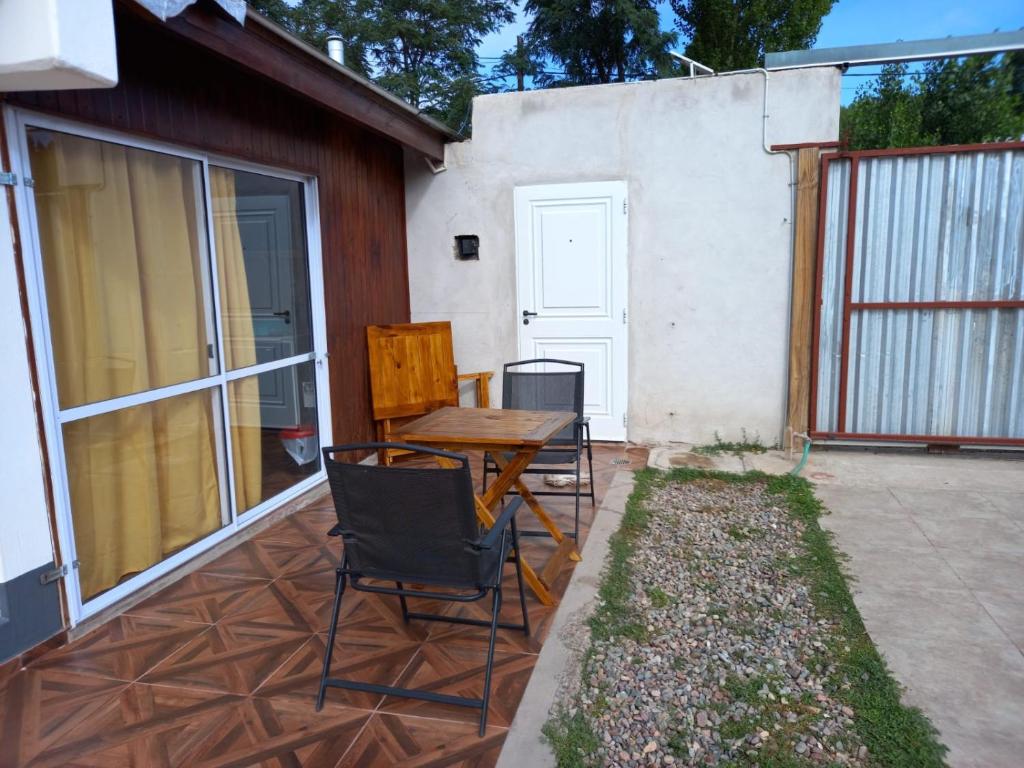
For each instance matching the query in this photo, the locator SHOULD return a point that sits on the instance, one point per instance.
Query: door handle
(286, 314)
(527, 314)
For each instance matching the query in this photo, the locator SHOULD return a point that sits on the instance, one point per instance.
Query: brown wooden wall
(176, 92)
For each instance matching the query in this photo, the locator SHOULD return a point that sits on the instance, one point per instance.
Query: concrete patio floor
(936, 547)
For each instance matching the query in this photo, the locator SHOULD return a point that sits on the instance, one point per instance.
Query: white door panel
(595, 355)
(571, 271)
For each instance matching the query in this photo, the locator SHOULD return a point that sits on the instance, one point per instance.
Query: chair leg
(590, 466)
(405, 606)
(579, 460)
(339, 590)
(519, 578)
(495, 609)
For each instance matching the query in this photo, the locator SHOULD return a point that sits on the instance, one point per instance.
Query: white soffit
(166, 9)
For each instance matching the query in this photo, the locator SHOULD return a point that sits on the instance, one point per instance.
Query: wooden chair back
(412, 369)
(412, 373)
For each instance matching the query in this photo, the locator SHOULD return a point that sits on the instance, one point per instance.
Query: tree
(968, 100)
(885, 113)
(520, 63)
(597, 41)
(276, 10)
(316, 20)
(735, 34)
(425, 50)
(952, 101)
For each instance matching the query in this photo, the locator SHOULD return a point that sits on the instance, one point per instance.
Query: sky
(854, 22)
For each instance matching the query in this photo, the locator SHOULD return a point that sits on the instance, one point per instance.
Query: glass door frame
(15, 122)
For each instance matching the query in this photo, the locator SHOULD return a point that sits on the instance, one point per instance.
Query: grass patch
(896, 735)
(659, 597)
(613, 616)
(746, 444)
(737, 533)
(572, 739)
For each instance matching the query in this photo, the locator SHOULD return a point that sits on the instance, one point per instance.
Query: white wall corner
(25, 541)
(57, 44)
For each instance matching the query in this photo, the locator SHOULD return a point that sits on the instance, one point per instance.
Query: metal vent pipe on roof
(336, 48)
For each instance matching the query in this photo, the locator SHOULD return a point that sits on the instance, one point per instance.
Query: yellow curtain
(239, 342)
(122, 265)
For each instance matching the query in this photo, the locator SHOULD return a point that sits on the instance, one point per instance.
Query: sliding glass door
(175, 304)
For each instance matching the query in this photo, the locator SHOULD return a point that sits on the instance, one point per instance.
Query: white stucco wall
(709, 234)
(24, 523)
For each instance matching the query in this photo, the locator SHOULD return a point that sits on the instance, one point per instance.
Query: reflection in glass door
(265, 301)
(177, 327)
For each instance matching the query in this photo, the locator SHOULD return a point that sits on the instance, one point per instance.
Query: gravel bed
(728, 661)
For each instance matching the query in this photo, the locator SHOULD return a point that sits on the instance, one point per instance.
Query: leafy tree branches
(952, 101)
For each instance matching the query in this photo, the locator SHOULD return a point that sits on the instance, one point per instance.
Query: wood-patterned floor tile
(299, 543)
(392, 740)
(269, 602)
(167, 727)
(277, 605)
(459, 671)
(124, 648)
(40, 707)
(367, 617)
(508, 640)
(200, 597)
(231, 657)
(369, 662)
(247, 560)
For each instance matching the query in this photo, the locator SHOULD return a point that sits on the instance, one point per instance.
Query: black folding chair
(418, 526)
(550, 390)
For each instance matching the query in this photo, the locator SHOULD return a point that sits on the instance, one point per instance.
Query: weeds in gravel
(572, 739)
(659, 598)
(613, 615)
(896, 736)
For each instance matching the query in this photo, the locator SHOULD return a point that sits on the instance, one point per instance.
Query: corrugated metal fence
(920, 328)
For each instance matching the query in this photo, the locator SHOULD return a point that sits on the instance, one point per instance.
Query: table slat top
(485, 426)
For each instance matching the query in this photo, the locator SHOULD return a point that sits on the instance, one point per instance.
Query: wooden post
(804, 263)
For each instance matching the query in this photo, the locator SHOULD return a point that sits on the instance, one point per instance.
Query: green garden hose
(803, 459)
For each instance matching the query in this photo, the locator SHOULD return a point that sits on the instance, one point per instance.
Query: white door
(572, 289)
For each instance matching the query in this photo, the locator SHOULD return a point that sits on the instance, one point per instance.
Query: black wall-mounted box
(467, 247)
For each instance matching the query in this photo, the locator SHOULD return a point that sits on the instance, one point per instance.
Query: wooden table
(500, 432)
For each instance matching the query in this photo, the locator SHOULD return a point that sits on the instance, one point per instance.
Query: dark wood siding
(176, 92)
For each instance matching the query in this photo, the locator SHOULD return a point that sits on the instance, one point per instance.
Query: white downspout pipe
(792, 198)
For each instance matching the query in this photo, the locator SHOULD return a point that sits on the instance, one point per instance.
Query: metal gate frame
(850, 306)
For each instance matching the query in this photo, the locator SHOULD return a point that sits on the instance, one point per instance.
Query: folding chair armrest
(490, 539)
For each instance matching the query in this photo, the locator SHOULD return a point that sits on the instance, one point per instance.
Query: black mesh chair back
(418, 526)
(407, 523)
(545, 390)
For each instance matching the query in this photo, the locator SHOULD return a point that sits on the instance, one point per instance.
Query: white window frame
(15, 121)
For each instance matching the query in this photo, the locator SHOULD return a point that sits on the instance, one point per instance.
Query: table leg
(538, 510)
(566, 546)
(484, 505)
